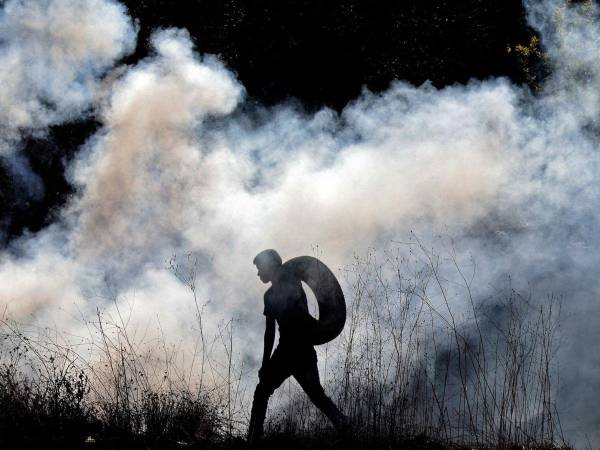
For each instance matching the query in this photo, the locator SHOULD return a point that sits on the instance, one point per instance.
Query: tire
(329, 295)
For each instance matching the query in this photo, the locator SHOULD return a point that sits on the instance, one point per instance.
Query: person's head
(268, 262)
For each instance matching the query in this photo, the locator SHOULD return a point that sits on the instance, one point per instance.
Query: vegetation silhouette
(405, 370)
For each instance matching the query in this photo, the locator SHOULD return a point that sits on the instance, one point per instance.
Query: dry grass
(410, 363)
(423, 362)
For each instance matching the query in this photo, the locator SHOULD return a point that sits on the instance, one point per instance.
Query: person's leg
(306, 373)
(275, 373)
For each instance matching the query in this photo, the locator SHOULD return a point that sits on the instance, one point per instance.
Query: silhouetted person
(285, 303)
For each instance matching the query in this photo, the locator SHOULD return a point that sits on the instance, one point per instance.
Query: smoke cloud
(52, 55)
(180, 166)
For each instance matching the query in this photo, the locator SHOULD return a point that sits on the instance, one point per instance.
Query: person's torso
(286, 302)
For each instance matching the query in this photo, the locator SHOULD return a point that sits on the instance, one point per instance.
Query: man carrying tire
(285, 303)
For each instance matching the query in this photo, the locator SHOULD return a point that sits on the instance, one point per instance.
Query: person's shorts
(289, 360)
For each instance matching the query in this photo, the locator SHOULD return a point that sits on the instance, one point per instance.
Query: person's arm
(269, 340)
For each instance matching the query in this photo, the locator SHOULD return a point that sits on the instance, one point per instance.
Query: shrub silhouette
(409, 370)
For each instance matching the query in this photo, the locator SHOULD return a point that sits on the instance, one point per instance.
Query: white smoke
(52, 54)
(177, 167)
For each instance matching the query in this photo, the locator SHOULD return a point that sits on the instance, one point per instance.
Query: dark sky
(313, 52)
